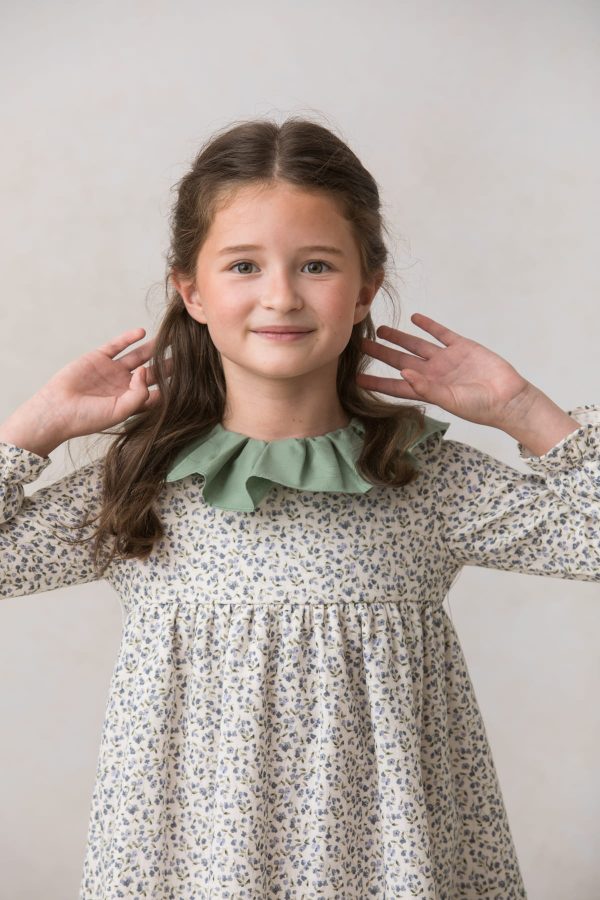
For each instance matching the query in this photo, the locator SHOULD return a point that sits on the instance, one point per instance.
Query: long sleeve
(32, 558)
(544, 523)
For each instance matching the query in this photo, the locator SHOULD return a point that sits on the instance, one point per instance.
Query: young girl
(290, 714)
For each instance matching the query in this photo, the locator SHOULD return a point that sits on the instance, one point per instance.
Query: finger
(424, 349)
(439, 331)
(153, 398)
(139, 355)
(391, 386)
(142, 354)
(392, 357)
(151, 371)
(140, 379)
(113, 347)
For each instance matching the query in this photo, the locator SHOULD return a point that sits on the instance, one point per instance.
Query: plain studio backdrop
(480, 124)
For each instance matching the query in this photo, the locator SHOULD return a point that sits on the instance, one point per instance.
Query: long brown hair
(260, 151)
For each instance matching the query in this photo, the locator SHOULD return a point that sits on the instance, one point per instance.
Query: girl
(290, 713)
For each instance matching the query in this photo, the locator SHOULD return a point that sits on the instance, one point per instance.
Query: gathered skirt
(304, 750)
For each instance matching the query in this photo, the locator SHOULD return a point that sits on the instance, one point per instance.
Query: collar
(239, 471)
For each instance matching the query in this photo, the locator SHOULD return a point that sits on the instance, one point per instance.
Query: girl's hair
(254, 152)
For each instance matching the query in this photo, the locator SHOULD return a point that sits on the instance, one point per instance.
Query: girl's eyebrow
(321, 248)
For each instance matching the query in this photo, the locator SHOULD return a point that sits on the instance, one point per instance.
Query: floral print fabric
(290, 713)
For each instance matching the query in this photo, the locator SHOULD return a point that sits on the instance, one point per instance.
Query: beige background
(480, 123)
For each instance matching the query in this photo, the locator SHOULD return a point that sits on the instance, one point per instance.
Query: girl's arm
(32, 558)
(93, 392)
(545, 523)
(488, 514)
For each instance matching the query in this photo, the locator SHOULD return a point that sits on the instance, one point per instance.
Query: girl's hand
(462, 377)
(97, 391)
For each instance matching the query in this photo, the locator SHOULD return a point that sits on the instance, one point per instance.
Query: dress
(290, 713)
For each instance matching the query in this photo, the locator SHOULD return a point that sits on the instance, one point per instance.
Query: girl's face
(303, 270)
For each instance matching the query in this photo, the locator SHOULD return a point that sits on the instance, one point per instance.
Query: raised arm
(489, 514)
(95, 391)
(35, 555)
(543, 523)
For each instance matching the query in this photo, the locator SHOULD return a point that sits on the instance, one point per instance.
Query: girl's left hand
(462, 377)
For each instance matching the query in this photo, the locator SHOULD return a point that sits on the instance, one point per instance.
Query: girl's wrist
(539, 424)
(31, 428)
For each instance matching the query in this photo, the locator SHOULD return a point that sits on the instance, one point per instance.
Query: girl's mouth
(283, 335)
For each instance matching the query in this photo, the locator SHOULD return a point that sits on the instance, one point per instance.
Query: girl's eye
(318, 262)
(241, 264)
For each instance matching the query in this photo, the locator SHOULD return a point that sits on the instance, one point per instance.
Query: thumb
(137, 382)
(138, 376)
(416, 381)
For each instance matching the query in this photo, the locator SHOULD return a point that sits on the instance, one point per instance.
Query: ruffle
(239, 471)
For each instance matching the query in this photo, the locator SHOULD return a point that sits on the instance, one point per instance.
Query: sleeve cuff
(573, 447)
(20, 465)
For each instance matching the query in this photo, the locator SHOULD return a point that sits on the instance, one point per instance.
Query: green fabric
(239, 471)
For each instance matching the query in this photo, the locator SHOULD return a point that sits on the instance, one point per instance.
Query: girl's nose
(282, 293)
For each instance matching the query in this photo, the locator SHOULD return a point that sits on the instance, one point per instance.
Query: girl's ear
(186, 287)
(366, 296)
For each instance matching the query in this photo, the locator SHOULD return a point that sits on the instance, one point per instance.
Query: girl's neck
(271, 429)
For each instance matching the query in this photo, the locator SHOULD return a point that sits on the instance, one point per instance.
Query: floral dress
(290, 713)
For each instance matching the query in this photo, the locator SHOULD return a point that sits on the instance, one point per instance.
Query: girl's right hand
(97, 391)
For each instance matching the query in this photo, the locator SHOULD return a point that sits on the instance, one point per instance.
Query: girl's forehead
(250, 216)
(250, 197)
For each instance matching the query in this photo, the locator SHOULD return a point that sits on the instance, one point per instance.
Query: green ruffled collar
(239, 471)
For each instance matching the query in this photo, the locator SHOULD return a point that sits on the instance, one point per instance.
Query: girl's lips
(283, 335)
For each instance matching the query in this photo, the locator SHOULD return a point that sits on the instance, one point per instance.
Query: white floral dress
(290, 713)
